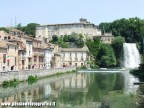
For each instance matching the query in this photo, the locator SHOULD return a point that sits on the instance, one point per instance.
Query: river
(74, 90)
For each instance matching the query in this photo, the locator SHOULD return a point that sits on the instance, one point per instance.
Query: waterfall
(131, 55)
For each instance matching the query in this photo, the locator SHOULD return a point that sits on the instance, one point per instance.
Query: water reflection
(80, 90)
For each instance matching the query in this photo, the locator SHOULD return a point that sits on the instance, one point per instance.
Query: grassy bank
(119, 100)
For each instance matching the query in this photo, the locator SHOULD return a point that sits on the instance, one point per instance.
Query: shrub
(13, 83)
(139, 73)
(32, 79)
(6, 83)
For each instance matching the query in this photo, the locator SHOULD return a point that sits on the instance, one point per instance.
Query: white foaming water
(131, 55)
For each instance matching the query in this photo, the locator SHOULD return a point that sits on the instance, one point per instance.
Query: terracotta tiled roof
(44, 45)
(14, 40)
(5, 43)
(3, 33)
(16, 30)
(66, 24)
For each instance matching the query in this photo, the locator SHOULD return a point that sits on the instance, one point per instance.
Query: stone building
(3, 55)
(8, 56)
(31, 52)
(106, 38)
(21, 52)
(56, 56)
(74, 56)
(87, 29)
(3, 35)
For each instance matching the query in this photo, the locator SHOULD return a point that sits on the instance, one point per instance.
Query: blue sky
(66, 11)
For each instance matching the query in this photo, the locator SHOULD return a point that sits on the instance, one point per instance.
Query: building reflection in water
(81, 90)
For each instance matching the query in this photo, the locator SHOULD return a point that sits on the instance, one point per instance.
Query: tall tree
(117, 45)
(30, 29)
(94, 46)
(106, 56)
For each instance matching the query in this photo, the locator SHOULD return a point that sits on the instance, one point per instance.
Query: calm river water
(74, 90)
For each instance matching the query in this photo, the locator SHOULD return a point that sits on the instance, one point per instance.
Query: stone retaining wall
(23, 75)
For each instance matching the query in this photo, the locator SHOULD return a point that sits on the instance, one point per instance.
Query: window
(15, 61)
(22, 62)
(8, 48)
(29, 60)
(35, 59)
(5, 38)
(15, 49)
(76, 56)
(75, 64)
(4, 58)
(63, 55)
(81, 64)
(8, 63)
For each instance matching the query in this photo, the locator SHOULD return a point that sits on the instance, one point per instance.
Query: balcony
(22, 58)
(35, 53)
(23, 48)
(41, 54)
(39, 47)
(35, 62)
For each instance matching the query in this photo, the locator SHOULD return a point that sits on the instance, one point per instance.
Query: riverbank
(23, 75)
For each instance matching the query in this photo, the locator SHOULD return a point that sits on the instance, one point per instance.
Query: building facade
(48, 57)
(87, 29)
(106, 38)
(8, 56)
(3, 35)
(3, 55)
(74, 56)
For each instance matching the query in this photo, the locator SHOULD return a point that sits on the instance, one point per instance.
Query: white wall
(66, 58)
(40, 32)
(48, 58)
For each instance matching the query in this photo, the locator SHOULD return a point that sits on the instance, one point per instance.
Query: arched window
(4, 58)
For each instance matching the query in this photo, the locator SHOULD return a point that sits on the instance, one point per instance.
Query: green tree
(105, 56)
(93, 46)
(117, 45)
(62, 44)
(30, 29)
(19, 26)
(139, 72)
(66, 38)
(73, 37)
(54, 38)
(80, 43)
(81, 36)
(4, 29)
(105, 27)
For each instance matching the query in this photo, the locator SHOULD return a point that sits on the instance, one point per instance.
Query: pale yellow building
(3, 35)
(74, 56)
(10, 56)
(3, 55)
(106, 38)
(56, 56)
(87, 29)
